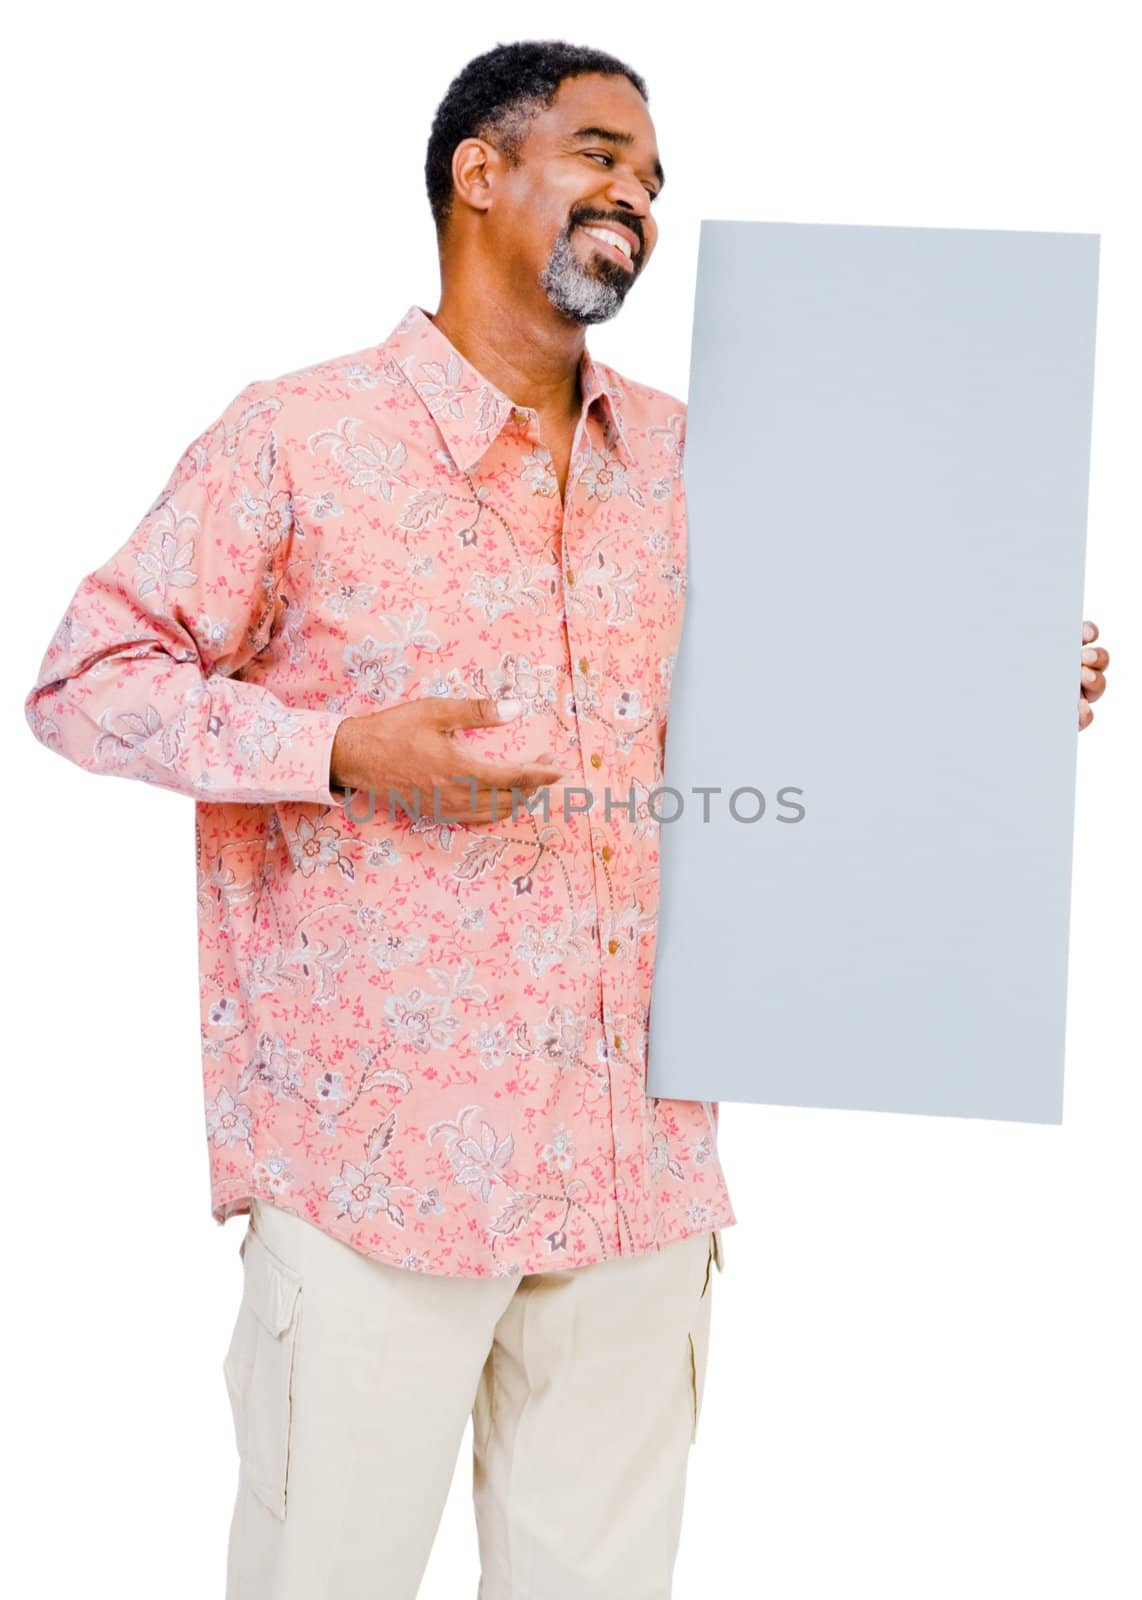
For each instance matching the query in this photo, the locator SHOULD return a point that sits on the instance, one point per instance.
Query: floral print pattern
(427, 1038)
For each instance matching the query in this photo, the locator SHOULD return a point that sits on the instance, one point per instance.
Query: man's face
(570, 181)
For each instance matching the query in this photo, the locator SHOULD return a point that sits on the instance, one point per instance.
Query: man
(449, 569)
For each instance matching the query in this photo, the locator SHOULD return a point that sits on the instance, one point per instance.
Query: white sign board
(886, 470)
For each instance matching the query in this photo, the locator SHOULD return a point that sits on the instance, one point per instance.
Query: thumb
(460, 712)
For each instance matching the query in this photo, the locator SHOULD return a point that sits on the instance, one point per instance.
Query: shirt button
(606, 852)
(520, 416)
(596, 759)
(583, 663)
(612, 946)
(570, 576)
(618, 1041)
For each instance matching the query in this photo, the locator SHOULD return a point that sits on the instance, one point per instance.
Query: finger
(533, 776)
(499, 811)
(469, 798)
(1086, 715)
(503, 775)
(1095, 656)
(1093, 685)
(1090, 632)
(460, 711)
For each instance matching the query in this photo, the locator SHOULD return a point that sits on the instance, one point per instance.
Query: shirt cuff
(312, 753)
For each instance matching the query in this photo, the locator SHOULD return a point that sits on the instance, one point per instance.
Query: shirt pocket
(258, 1369)
(699, 1337)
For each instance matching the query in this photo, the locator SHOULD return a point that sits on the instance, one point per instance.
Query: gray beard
(577, 293)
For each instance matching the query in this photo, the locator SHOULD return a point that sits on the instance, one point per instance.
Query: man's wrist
(340, 758)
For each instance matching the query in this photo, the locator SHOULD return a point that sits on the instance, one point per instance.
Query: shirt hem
(233, 1199)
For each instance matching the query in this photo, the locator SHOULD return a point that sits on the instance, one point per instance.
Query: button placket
(581, 652)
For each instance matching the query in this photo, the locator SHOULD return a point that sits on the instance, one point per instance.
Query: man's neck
(531, 359)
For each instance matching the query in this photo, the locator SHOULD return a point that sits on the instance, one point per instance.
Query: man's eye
(605, 155)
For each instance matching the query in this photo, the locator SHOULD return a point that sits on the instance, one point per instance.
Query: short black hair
(496, 96)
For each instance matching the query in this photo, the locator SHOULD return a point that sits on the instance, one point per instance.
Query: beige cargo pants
(351, 1383)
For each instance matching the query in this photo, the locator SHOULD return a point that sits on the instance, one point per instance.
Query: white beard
(576, 292)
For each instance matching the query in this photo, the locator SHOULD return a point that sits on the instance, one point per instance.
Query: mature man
(378, 601)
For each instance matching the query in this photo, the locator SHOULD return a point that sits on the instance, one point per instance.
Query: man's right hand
(412, 747)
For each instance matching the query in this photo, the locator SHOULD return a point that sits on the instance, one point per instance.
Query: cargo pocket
(258, 1369)
(699, 1336)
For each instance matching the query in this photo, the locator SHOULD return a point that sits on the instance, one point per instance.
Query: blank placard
(886, 469)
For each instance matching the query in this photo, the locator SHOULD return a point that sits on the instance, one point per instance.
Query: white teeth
(610, 238)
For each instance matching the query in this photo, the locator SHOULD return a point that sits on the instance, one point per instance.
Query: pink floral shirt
(426, 1038)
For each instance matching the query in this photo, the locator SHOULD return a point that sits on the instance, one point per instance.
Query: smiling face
(575, 215)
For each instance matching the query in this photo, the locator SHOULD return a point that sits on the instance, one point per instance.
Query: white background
(924, 1368)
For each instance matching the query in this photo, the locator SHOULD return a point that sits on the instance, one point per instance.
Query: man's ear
(472, 160)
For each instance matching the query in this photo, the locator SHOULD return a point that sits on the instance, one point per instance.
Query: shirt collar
(467, 408)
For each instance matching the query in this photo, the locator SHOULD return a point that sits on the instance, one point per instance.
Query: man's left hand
(1092, 678)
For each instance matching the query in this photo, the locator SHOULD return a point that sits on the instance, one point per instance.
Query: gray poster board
(886, 471)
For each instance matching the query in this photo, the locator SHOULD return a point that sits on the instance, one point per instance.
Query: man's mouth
(609, 241)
